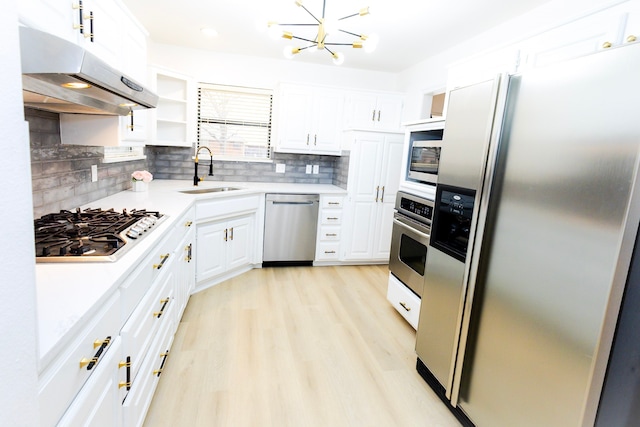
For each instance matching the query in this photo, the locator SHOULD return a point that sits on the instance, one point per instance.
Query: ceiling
(409, 30)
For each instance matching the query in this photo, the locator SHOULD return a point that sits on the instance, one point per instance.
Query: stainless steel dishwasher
(290, 223)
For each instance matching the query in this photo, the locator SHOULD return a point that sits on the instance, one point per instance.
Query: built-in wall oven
(410, 240)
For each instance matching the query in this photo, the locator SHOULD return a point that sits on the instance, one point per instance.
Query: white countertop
(67, 293)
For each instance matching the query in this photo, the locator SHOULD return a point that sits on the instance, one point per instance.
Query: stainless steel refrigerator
(536, 215)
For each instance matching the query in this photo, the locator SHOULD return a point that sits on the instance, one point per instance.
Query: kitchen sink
(210, 190)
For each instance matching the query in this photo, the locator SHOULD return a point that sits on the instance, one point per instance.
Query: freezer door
(556, 224)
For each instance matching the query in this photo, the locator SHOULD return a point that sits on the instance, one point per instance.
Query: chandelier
(325, 28)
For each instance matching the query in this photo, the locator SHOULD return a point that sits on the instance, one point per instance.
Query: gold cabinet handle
(231, 233)
(378, 115)
(382, 197)
(98, 343)
(164, 303)
(332, 218)
(307, 139)
(315, 139)
(85, 362)
(334, 203)
(226, 234)
(606, 45)
(377, 191)
(631, 38)
(126, 364)
(331, 234)
(329, 252)
(164, 356)
(164, 258)
(188, 223)
(373, 115)
(404, 305)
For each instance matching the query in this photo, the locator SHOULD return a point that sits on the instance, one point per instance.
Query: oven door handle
(413, 230)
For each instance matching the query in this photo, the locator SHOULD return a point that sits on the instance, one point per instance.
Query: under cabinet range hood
(62, 77)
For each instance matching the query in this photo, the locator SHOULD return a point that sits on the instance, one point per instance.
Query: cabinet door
(57, 17)
(185, 272)
(364, 193)
(240, 242)
(389, 113)
(327, 116)
(295, 119)
(98, 403)
(390, 180)
(362, 111)
(212, 243)
(582, 37)
(105, 41)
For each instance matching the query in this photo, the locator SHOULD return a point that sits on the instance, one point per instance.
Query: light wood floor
(299, 346)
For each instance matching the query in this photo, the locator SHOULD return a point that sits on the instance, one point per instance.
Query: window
(235, 122)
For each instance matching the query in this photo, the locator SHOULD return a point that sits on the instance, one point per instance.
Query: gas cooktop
(91, 234)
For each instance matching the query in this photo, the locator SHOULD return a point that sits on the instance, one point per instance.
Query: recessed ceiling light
(209, 32)
(76, 85)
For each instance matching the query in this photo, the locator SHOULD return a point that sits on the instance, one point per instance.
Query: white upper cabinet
(104, 28)
(374, 111)
(309, 120)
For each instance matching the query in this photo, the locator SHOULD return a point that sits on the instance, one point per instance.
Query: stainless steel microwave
(424, 156)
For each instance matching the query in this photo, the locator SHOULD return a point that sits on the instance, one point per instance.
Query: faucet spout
(196, 178)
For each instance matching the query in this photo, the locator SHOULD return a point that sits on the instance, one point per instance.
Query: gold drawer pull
(188, 223)
(404, 305)
(334, 203)
(164, 303)
(126, 384)
(631, 38)
(329, 252)
(127, 365)
(164, 356)
(85, 362)
(98, 343)
(332, 218)
(331, 234)
(606, 45)
(164, 258)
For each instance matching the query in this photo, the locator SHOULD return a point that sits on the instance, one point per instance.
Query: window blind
(235, 122)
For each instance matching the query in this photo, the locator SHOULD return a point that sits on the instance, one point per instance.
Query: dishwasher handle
(310, 202)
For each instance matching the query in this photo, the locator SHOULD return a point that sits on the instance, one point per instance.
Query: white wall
(251, 71)
(431, 75)
(18, 371)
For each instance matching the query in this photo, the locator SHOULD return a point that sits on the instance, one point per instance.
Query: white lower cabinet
(329, 228)
(223, 246)
(374, 178)
(99, 405)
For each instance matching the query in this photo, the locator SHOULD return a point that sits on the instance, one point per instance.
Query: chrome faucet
(196, 178)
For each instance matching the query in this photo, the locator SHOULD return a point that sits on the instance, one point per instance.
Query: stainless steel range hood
(51, 66)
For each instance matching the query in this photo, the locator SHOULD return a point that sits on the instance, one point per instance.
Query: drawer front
(218, 208)
(329, 233)
(138, 400)
(186, 223)
(142, 326)
(61, 382)
(404, 301)
(98, 404)
(328, 251)
(331, 217)
(332, 202)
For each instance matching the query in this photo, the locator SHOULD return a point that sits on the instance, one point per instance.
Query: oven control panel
(414, 206)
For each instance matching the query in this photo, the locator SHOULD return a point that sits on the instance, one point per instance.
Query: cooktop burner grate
(90, 235)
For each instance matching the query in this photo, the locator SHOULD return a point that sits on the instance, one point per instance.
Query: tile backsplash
(61, 174)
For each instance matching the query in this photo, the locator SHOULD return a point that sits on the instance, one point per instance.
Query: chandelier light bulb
(290, 51)
(371, 43)
(274, 31)
(338, 58)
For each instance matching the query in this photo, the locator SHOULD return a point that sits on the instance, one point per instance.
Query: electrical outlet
(308, 169)
(316, 169)
(94, 173)
(280, 167)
